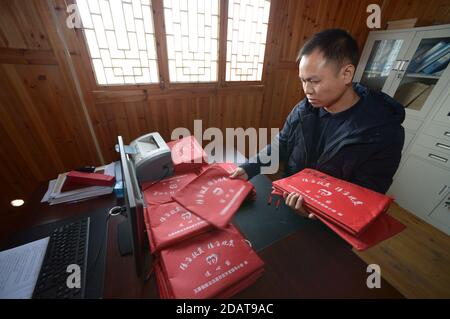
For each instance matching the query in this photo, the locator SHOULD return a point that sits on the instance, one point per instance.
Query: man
(341, 129)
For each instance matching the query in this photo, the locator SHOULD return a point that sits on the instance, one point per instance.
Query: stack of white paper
(54, 195)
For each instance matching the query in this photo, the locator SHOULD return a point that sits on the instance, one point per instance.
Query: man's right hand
(239, 173)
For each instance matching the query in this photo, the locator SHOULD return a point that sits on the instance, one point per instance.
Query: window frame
(162, 57)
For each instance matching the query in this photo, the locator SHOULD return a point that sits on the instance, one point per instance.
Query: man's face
(323, 83)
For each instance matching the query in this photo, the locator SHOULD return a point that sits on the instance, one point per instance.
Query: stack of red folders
(216, 264)
(199, 253)
(355, 213)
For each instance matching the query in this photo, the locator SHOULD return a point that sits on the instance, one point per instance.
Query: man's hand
(239, 173)
(295, 201)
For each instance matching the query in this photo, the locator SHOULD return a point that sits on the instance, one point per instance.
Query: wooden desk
(310, 263)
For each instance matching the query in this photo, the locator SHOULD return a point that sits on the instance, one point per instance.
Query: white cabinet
(440, 216)
(420, 186)
(394, 62)
(443, 114)
(397, 62)
(418, 90)
(380, 57)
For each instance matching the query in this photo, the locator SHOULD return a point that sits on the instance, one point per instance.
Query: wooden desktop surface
(310, 263)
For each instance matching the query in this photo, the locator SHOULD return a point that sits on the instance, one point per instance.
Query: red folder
(213, 196)
(229, 167)
(171, 223)
(148, 230)
(347, 205)
(216, 264)
(384, 227)
(162, 191)
(187, 154)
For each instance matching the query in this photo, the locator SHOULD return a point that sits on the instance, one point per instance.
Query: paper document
(51, 186)
(19, 269)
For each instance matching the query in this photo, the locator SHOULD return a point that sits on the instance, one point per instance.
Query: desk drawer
(420, 186)
(438, 131)
(438, 144)
(443, 115)
(432, 155)
(411, 124)
(440, 216)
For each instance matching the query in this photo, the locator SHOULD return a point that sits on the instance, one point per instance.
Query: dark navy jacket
(365, 150)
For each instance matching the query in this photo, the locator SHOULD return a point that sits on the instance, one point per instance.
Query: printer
(151, 157)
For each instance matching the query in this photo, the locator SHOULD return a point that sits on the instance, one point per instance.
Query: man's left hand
(295, 201)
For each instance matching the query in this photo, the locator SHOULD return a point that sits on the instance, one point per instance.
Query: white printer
(151, 157)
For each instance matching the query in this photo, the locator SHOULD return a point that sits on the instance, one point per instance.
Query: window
(192, 33)
(121, 40)
(246, 39)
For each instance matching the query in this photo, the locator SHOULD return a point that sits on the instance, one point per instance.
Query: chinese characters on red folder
(162, 191)
(216, 264)
(355, 213)
(214, 196)
(186, 210)
(170, 223)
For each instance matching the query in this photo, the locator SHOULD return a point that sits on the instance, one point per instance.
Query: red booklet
(347, 205)
(187, 154)
(171, 223)
(76, 180)
(213, 196)
(216, 264)
(162, 191)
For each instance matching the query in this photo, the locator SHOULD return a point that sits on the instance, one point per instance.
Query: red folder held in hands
(384, 227)
(355, 213)
(216, 264)
(171, 223)
(213, 196)
(347, 205)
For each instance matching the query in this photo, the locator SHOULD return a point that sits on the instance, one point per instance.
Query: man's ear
(348, 71)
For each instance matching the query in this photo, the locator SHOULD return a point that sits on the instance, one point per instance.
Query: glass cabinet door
(380, 57)
(420, 72)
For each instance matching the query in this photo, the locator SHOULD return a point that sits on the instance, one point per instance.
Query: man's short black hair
(336, 45)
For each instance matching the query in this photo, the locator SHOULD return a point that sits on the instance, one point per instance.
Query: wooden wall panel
(430, 12)
(42, 131)
(132, 119)
(49, 99)
(21, 26)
